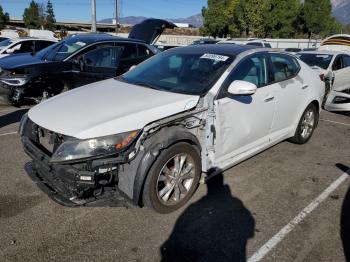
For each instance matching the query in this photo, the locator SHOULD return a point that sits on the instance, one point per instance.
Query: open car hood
(150, 30)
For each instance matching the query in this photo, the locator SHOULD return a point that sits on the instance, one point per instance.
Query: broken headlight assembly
(341, 100)
(73, 150)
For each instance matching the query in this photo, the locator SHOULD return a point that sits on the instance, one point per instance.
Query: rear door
(341, 69)
(132, 54)
(150, 30)
(289, 93)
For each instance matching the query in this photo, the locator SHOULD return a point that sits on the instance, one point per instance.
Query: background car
(76, 61)
(334, 68)
(145, 138)
(23, 45)
(204, 41)
(259, 43)
(292, 50)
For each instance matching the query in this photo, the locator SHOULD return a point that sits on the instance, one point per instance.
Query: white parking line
(335, 122)
(273, 242)
(10, 133)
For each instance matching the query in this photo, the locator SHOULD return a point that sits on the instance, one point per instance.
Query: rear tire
(306, 126)
(173, 178)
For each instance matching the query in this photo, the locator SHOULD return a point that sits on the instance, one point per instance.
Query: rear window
(319, 60)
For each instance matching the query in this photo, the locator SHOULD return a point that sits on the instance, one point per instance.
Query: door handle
(268, 99)
(304, 86)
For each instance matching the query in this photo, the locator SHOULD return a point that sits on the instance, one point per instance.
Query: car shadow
(215, 228)
(345, 217)
(12, 117)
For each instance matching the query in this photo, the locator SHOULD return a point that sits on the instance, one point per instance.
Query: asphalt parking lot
(294, 198)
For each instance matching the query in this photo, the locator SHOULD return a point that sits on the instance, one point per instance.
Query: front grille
(47, 139)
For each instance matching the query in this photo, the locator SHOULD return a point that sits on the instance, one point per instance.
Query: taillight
(322, 77)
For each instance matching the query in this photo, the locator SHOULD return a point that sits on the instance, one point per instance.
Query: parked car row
(147, 137)
(76, 61)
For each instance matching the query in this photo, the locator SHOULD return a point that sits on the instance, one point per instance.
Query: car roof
(97, 37)
(19, 39)
(322, 52)
(229, 49)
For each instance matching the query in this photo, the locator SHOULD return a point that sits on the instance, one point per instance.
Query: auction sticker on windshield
(215, 57)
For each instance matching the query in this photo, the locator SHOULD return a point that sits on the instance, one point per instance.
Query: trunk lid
(150, 30)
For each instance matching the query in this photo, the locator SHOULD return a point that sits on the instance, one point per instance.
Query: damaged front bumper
(338, 101)
(69, 185)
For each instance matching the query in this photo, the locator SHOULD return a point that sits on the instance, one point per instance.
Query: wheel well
(184, 140)
(317, 105)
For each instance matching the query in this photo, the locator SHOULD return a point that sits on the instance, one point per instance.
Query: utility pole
(93, 16)
(116, 16)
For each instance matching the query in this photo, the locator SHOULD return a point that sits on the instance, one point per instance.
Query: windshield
(320, 60)
(5, 43)
(63, 49)
(180, 72)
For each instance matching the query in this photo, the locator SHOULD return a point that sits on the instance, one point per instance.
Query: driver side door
(95, 65)
(243, 123)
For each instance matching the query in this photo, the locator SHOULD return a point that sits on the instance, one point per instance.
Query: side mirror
(242, 88)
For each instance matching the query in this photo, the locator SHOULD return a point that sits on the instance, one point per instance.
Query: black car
(76, 61)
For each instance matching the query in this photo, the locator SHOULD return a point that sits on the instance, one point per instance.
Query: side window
(346, 60)
(252, 69)
(284, 67)
(338, 63)
(129, 51)
(143, 52)
(42, 44)
(102, 57)
(23, 47)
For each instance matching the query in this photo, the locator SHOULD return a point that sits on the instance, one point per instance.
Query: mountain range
(341, 10)
(195, 20)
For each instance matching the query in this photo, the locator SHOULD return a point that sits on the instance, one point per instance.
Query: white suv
(147, 137)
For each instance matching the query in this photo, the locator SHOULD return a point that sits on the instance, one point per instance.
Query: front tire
(173, 178)
(306, 126)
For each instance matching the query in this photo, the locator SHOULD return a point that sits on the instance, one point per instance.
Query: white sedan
(147, 137)
(23, 45)
(334, 67)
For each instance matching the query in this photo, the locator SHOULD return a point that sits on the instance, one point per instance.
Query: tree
(318, 17)
(253, 16)
(31, 16)
(4, 18)
(215, 23)
(50, 17)
(280, 18)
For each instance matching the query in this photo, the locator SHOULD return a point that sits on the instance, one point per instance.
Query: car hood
(19, 60)
(107, 107)
(149, 30)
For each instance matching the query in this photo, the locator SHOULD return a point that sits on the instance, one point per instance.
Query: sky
(80, 10)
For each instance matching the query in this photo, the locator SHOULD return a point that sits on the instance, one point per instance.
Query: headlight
(102, 146)
(341, 100)
(14, 81)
